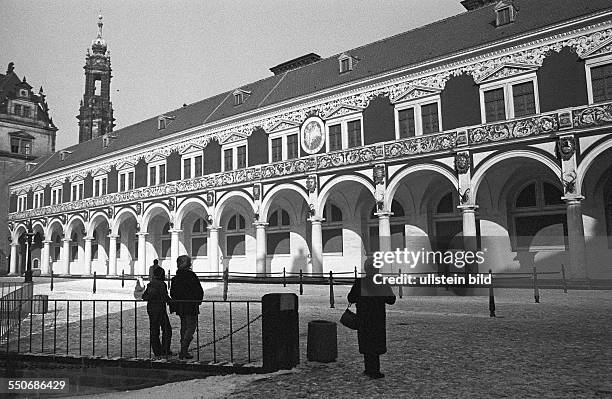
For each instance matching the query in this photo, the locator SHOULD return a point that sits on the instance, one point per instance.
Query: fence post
(491, 299)
(331, 289)
(284, 278)
(280, 332)
(400, 290)
(122, 278)
(169, 279)
(563, 276)
(301, 283)
(356, 273)
(94, 283)
(51, 279)
(225, 283)
(536, 291)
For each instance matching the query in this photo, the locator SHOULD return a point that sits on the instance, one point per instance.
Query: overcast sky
(166, 53)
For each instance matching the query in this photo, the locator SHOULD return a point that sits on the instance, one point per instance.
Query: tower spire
(100, 25)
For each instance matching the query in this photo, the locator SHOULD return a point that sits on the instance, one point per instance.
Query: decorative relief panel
(421, 145)
(533, 126)
(593, 116)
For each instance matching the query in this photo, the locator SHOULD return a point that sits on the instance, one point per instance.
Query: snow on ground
(214, 387)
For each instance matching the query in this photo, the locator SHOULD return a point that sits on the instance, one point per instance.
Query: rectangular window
(187, 168)
(354, 133)
(122, 186)
(162, 174)
(26, 112)
(495, 109)
(406, 123)
(38, 199)
(165, 248)
(278, 243)
(56, 195)
(21, 203)
(126, 180)
(198, 246)
(77, 191)
(429, 115)
(601, 80)
(277, 149)
(524, 99)
(74, 252)
(335, 137)
(241, 156)
(130, 181)
(15, 145)
(235, 245)
(292, 146)
(198, 166)
(228, 159)
(503, 16)
(332, 241)
(99, 186)
(17, 109)
(152, 175)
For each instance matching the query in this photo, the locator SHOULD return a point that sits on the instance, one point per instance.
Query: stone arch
(121, 216)
(227, 197)
(70, 224)
(396, 180)
(51, 228)
(487, 165)
(187, 205)
(273, 193)
(95, 220)
(152, 211)
(326, 190)
(587, 161)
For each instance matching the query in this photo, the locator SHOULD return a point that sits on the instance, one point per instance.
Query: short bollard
(280, 332)
(331, 289)
(563, 277)
(94, 283)
(356, 273)
(169, 280)
(51, 280)
(122, 278)
(491, 299)
(400, 290)
(301, 283)
(536, 291)
(284, 278)
(322, 344)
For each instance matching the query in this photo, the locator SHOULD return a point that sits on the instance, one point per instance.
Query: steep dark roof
(450, 36)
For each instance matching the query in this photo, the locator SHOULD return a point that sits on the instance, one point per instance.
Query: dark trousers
(372, 363)
(188, 327)
(158, 318)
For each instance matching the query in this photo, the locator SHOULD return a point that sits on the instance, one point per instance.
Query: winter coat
(156, 296)
(186, 286)
(371, 315)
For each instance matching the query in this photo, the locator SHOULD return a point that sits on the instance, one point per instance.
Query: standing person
(372, 331)
(187, 292)
(157, 297)
(152, 268)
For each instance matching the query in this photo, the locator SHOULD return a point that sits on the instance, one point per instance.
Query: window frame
(22, 203)
(56, 194)
(594, 63)
(157, 165)
(191, 156)
(234, 148)
(283, 135)
(39, 199)
(343, 121)
(100, 185)
(80, 190)
(417, 104)
(508, 87)
(22, 141)
(126, 172)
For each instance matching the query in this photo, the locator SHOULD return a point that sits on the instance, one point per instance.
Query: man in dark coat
(157, 297)
(187, 294)
(371, 332)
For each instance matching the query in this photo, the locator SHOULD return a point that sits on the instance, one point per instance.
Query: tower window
(238, 98)
(98, 87)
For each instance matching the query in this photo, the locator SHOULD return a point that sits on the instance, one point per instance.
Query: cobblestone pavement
(450, 347)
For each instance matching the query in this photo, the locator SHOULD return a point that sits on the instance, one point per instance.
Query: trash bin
(40, 304)
(322, 345)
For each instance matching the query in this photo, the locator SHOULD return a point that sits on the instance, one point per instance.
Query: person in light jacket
(371, 314)
(187, 293)
(156, 295)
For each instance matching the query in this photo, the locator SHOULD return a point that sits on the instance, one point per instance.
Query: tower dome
(98, 45)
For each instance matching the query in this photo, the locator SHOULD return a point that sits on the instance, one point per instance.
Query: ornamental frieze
(533, 126)
(421, 144)
(593, 116)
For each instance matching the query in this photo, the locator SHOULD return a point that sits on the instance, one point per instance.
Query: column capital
(383, 214)
(260, 225)
(176, 231)
(573, 200)
(467, 207)
(14, 244)
(47, 242)
(113, 236)
(66, 240)
(142, 233)
(88, 238)
(316, 219)
(214, 228)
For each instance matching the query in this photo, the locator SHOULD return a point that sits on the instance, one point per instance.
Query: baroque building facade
(27, 132)
(493, 124)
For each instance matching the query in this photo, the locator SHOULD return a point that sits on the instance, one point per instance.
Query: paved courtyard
(444, 346)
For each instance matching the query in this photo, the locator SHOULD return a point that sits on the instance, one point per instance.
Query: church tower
(96, 111)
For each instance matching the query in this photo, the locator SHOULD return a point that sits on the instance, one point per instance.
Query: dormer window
(163, 121)
(345, 62)
(240, 96)
(23, 93)
(64, 155)
(504, 13)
